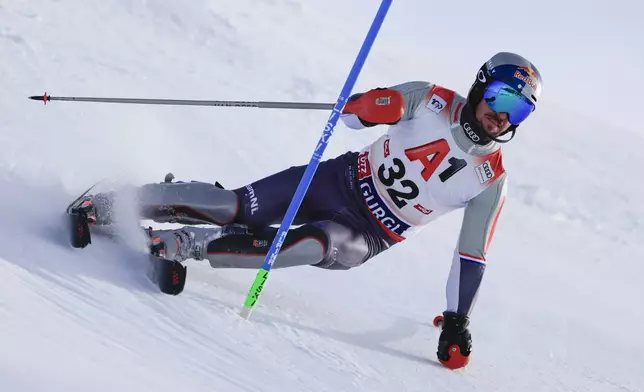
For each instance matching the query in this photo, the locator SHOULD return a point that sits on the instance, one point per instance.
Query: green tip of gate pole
(254, 293)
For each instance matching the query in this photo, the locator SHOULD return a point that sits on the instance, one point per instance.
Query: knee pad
(346, 248)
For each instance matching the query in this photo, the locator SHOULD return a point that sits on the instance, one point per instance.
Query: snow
(560, 306)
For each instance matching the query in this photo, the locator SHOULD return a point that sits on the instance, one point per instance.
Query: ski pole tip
(44, 98)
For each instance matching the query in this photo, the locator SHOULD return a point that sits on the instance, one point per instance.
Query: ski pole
(278, 241)
(187, 102)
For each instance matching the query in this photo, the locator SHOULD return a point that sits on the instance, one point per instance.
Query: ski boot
(169, 249)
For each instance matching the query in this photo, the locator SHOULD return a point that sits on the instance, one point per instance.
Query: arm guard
(378, 106)
(385, 105)
(468, 263)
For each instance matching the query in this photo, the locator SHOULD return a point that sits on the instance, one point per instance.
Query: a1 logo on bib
(485, 172)
(436, 104)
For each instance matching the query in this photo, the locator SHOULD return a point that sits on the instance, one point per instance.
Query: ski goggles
(502, 97)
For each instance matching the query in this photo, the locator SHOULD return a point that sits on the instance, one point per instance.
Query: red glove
(378, 106)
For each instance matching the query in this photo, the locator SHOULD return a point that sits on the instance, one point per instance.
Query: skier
(441, 153)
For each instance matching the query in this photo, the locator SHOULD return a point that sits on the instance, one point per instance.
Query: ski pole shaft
(187, 102)
(263, 273)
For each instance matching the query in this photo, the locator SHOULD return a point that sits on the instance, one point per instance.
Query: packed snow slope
(562, 302)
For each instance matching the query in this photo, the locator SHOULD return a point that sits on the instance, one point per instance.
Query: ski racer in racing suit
(440, 153)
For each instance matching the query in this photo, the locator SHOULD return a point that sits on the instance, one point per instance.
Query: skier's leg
(264, 202)
(324, 244)
(178, 202)
(187, 203)
(259, 204)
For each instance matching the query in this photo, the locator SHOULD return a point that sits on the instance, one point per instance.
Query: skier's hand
(377, 106)
(455, 342)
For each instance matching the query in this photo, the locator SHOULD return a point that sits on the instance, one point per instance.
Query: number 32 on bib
(430, 155)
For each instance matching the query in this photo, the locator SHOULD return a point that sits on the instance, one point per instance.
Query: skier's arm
(385, 105)
(468, 264)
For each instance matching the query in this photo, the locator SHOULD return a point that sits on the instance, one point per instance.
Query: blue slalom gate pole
(307, 177)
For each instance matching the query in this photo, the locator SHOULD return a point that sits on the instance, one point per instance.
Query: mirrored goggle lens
(503, 98)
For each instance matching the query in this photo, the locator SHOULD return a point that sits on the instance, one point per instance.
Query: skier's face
(493, 122)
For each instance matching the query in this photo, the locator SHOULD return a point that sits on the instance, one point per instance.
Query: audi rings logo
(485, 172)
(470, 133)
